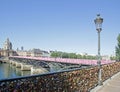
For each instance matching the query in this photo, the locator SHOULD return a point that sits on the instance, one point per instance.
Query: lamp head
(98, 22)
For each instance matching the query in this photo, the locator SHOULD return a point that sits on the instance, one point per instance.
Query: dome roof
(7, 45)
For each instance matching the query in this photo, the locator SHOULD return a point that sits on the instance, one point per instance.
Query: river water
(10, 71)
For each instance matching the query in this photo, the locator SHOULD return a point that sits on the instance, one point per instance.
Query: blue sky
(64, 25)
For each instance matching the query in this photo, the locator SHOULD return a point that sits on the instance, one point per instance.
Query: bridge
(66, 60)
(74, 80)
(43, 64)
(71, 80)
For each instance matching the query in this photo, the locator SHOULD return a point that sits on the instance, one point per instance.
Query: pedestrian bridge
(65, 60)
(74, 80)
(43, 64)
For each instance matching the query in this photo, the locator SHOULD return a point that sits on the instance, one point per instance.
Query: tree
(72, 55)
(112, 58)
(60, 54)
(118, 48)
(79, 56)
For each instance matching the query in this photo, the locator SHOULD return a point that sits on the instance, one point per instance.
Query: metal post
(99, 59)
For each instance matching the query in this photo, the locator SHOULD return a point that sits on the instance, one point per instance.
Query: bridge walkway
(110, 85)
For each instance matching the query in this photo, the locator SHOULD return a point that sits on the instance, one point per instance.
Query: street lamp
(98, 22)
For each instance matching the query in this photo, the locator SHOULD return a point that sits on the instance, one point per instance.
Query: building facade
(7, 49)
(33, 53)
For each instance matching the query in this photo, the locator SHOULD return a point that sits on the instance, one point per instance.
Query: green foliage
(79, 56)
(112, 58)
(71, 55)
(118, 48)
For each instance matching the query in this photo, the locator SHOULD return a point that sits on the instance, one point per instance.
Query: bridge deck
(67, 60)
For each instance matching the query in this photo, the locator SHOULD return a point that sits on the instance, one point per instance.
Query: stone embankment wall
(79, 80)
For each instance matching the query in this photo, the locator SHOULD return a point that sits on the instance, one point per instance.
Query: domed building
(7, 45)
(7, 49)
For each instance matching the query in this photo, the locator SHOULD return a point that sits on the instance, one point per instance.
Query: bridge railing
(108, 70)
(66, 60)
(66, 81)
(77, 80)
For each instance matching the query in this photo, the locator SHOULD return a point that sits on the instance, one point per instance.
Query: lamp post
(98, 22)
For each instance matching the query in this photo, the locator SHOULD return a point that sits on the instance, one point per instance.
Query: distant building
(22, 48)
(7, 45)
(7, 49)
(33, 53)
(105, 57)
(84, 54)
(21, 53)
(45, 54)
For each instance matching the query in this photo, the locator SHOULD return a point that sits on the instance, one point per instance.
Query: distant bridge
(44, 64)
(47, 64)
(66, 60)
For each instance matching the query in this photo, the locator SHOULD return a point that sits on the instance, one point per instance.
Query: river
(10, 71)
